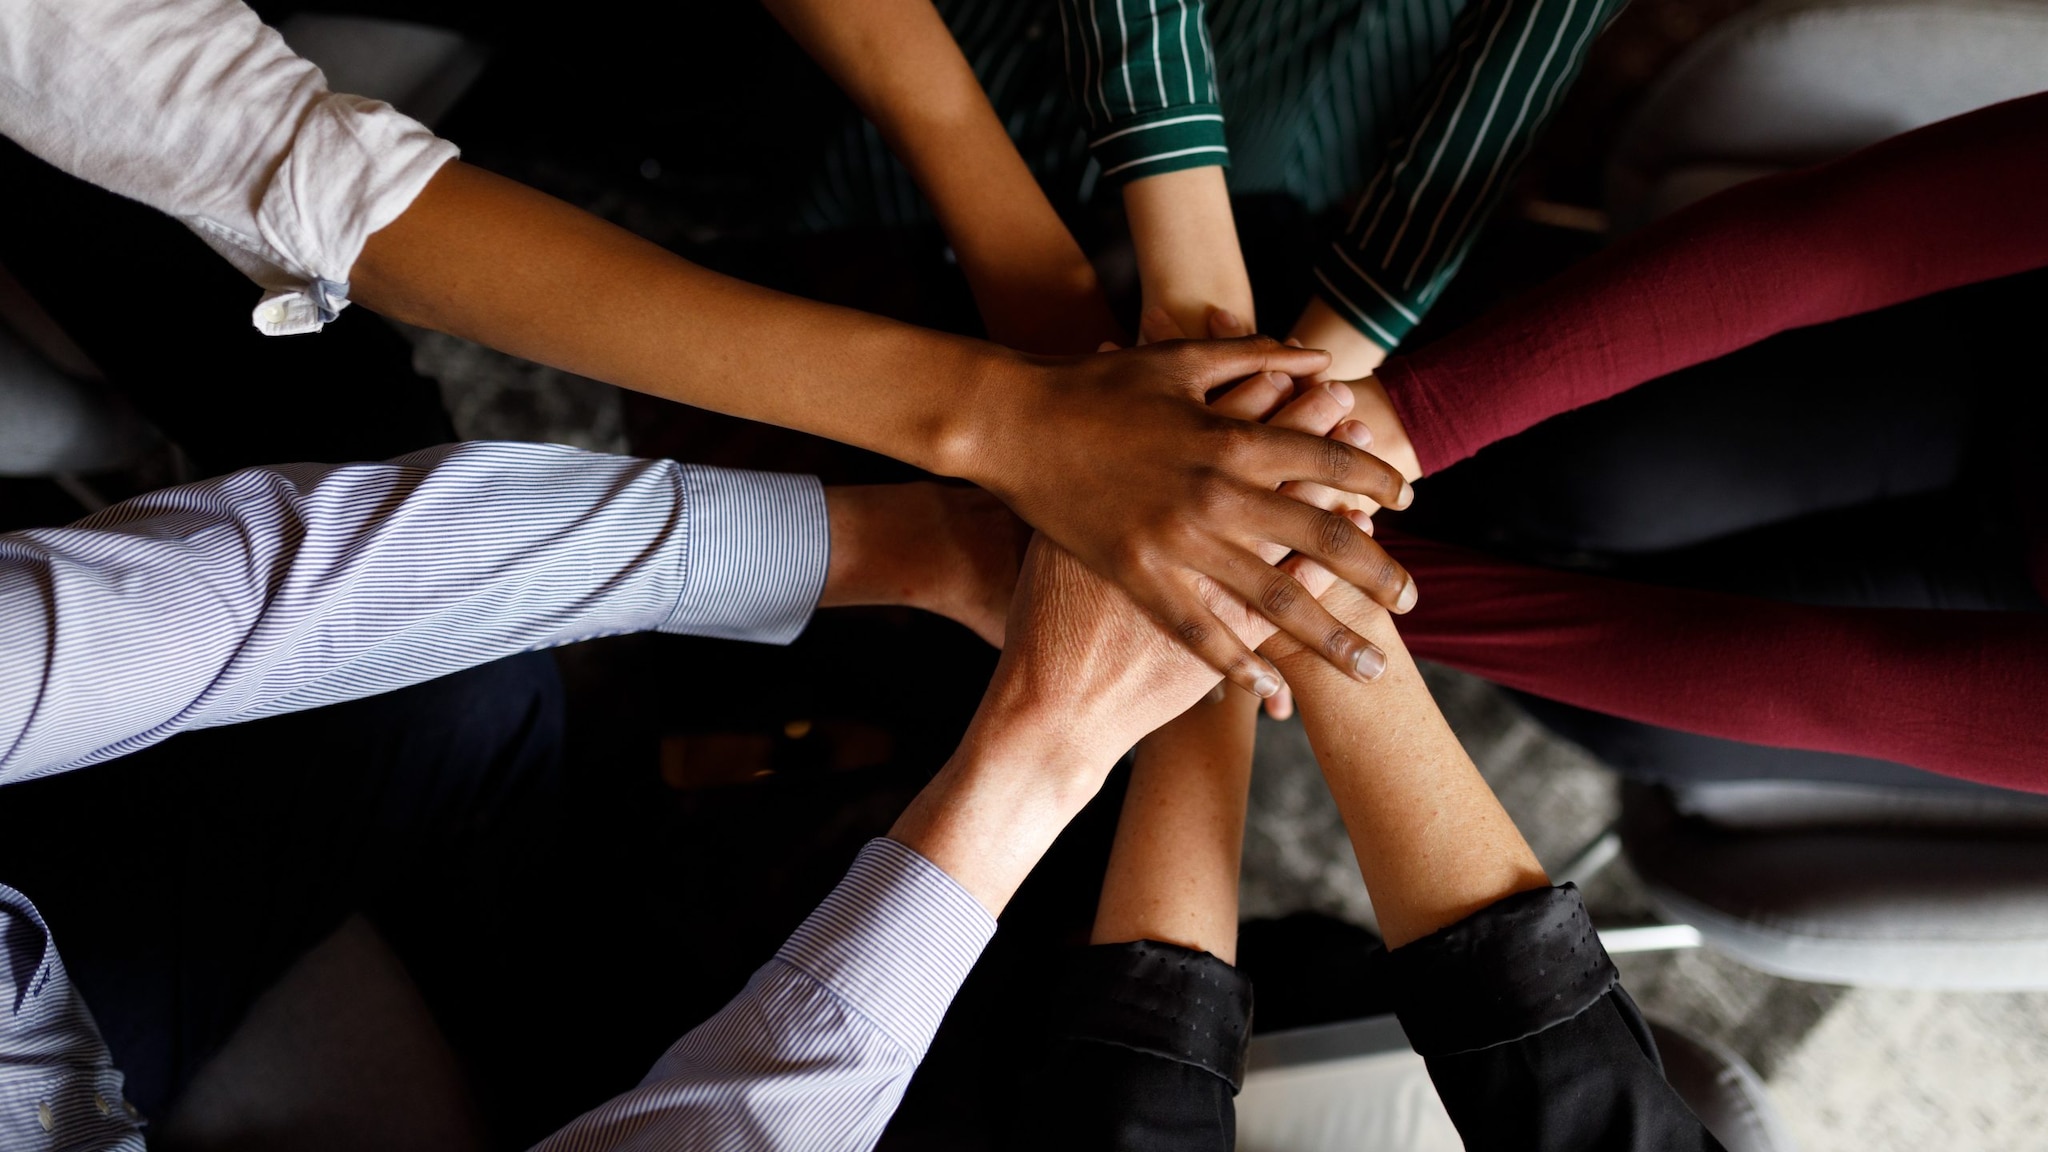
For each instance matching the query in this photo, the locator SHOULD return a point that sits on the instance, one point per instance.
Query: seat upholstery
(1835, 892)
(1793, 83)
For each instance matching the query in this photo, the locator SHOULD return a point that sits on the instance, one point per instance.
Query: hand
(1126, 467)
(1156, 325)
(1353, 357)
(945, 549)
(1084, 661)
(1085, 673)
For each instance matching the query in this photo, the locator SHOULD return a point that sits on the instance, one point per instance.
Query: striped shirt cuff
(754, 563)
(1190, 136)
(894, 940)
(1364, 295)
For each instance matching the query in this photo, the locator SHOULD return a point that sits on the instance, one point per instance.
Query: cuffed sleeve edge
(758, 547)
(1163, 1000)
(1169, 141)
(1511, 970)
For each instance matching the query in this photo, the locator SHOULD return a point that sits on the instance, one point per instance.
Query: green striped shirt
(1145, 74)
(1430, 106)
(1483, 107)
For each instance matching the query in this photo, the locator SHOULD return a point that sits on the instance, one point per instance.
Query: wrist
(994, 809)
(991, 401)
(1353, 354)
(965, 435)
(1186, 240)
(1372, 407)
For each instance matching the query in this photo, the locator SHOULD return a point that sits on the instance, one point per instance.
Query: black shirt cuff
(1164, 1000)
(1508, 971)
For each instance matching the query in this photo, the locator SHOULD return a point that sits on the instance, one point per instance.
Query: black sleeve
(1148, 1052)
(1530, 1039)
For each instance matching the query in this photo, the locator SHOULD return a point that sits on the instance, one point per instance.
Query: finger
(1226, 325)
(1283, 600)
(1196, 625)
(1280, 705)
(1289, 455)
(1156, 326)
(1109, 346)
(1317, 409)
(1254, 399)
(1339, 544)
(1215, 361)
(1329, 499)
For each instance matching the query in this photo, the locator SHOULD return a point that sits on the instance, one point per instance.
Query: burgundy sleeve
(1959, 693)
(1954, 203)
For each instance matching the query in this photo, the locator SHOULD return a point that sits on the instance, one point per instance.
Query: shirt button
(43, 1116)
(99, 1101)
(273, 313)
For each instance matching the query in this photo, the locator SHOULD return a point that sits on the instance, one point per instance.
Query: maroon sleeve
(1954, 203)
(1959, 693)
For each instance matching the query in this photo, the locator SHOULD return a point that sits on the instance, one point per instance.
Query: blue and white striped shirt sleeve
(278, 589)
(58, 1087)
(815, 1052)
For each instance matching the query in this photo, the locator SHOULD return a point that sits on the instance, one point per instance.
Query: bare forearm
(995, 808)
(1173, 869)
(945, 549)
(900, 64)
(1433, 843)
(1186, 240)
(493, 261)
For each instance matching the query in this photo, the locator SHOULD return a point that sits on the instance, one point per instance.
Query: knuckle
(1337, 641)
(1335, 536)
(1131, 555)
(1192, 631)
(1214, 495)
(1385, 573)
(1238, 446)
(1334, 459)
(1278, 595)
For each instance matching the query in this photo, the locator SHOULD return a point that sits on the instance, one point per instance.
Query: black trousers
(180, 882)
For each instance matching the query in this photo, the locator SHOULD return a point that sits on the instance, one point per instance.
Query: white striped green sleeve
(1145, 74)
(1476, 120)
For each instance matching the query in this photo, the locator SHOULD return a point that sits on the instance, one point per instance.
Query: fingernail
(1361, 518)
(1224, 317)
(1369, 662)
(1354, 433)
(1407, 496)
(1408, 597)
(1292, 342)
(1265, 685)
(1341, 393)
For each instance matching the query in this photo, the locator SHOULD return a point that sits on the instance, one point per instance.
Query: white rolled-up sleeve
(200, 110)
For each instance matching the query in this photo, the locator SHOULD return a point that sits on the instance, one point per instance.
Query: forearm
(1950, 204)
(946, 549)
(991, 812)
(1478, 115)
(1173, 869)
(278, 589)
(493, 261)
(1886, 683)
(1433, 843)
(899, 63)
(1186, 240)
